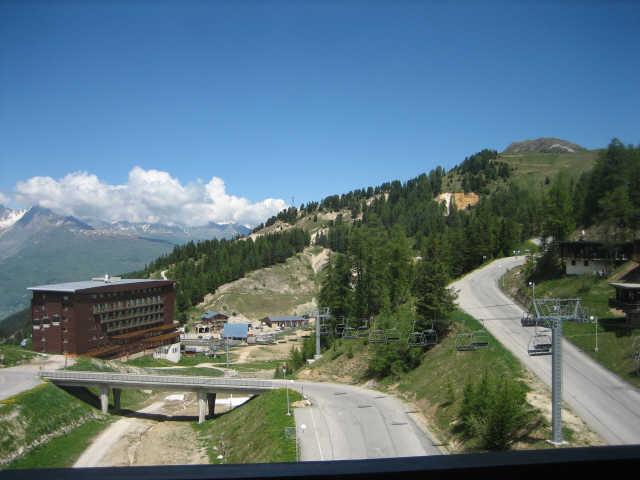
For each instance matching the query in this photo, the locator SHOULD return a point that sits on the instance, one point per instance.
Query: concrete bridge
(205, 387)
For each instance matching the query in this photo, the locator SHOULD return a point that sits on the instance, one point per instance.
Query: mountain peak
(41, 214)
(543, 145)
(9, 216)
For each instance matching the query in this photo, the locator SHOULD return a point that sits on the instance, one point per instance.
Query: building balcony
(625, 305)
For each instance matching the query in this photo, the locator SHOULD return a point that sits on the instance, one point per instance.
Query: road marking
(339, 393)
(365, 406)
(398, 423)
(315, 431)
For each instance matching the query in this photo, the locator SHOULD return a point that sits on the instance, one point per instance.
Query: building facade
(104, 318)
(215, 319)
(628, 300)
(593, 258)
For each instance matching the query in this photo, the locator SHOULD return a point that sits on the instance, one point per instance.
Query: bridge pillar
(202, 406)
(104, 398)
(116, 398)
(211, 401)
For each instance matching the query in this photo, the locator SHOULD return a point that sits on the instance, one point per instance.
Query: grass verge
(260, 440)
(11, 355)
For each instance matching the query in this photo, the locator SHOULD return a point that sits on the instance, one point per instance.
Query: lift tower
(552, 313)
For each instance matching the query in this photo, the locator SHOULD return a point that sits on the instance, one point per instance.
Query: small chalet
(285, 321)
(215, 319)
(593, 258)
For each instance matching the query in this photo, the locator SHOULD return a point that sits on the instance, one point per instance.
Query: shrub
(495, 412)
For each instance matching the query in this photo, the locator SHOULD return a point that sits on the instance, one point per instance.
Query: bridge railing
(104, 377)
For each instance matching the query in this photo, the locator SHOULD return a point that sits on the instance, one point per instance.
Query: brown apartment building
(103, 317)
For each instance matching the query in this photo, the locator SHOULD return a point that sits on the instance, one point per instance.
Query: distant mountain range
(39, 246)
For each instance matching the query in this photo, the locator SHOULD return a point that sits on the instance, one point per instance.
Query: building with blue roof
(235, 331)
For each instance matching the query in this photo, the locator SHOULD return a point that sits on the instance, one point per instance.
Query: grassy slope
(22, 421)
(531, 169)
(14, 355)
(62, 451)
(261, 440)
(437, 384)
(615, 338)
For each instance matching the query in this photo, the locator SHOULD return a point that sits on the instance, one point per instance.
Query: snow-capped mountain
(176, 234)
(39, 246)
(9, 216)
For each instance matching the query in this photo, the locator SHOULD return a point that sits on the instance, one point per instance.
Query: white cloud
(148, 196)
(3, 199)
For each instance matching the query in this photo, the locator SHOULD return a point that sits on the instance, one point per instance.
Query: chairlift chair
(416, 339)
(377, 336)
(430, 337)
(528, 320)
(362, 331)
(480, 339)
(540, 344)
(340, 326)
(324, 328)
(464, 342)
(349, 333)
(393, 336)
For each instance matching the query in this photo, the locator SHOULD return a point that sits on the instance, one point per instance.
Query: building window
(573, 262)
(586, 263)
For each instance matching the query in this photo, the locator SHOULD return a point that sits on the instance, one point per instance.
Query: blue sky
(304, 99)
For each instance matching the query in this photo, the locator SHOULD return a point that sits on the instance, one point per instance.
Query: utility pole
(595, 319)
(226, 347)
(533, 291)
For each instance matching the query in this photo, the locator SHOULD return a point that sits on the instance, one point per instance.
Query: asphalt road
(610, 406)
(348, 422)
(14, 380)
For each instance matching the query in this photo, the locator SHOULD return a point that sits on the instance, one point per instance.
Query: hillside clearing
(287, 288)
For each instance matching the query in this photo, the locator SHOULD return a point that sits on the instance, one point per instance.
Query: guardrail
(164, 380)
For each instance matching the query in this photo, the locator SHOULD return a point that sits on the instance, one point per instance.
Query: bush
(495, 412)
(392, 359)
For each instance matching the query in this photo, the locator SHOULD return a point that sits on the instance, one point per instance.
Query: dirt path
(319, 260)
(166, 440)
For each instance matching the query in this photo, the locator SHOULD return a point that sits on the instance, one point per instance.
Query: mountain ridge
(543, 145)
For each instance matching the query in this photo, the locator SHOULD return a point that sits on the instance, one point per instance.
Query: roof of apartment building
(72, 287)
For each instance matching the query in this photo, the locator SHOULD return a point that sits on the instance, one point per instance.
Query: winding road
(609, 405)
(14, 380)
(348, 422)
